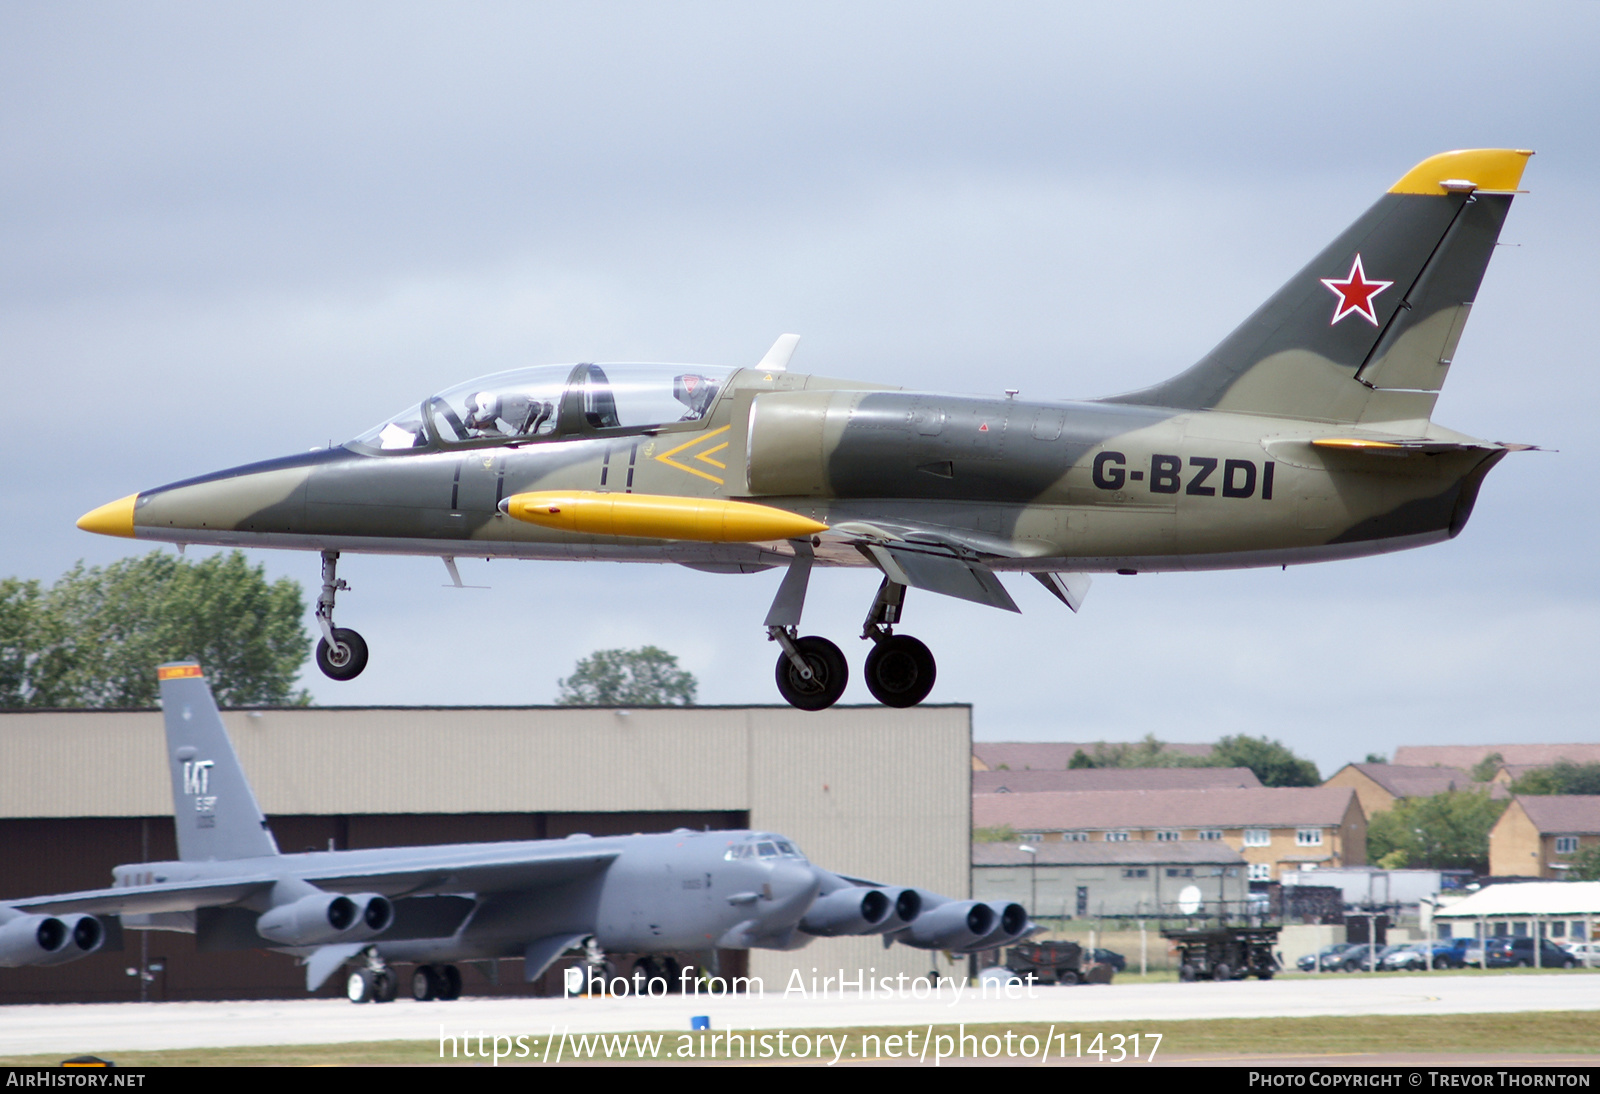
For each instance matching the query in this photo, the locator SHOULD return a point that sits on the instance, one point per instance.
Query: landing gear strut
(372, 983)
(811, 671)
(341, 653)
(900, 670)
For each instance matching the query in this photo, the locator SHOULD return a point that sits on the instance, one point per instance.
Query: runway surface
(110, 1027)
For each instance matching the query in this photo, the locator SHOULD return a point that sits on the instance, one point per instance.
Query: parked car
(1321, 958)
(1584, 951)
(1414, 956)
(1112, 958)
(1501, 953)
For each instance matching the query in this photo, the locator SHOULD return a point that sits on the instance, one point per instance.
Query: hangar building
(868, 791)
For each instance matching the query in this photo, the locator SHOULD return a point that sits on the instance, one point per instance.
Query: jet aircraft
(1304, 436)
(432, 906)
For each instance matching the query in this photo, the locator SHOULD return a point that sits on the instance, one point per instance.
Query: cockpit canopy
(533, 404)
(764, 846)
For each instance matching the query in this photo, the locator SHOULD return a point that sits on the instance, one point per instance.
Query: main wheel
(424, 984)
(829, 675)
(361, 987)
(1220, 971)
(345, 659)
(449, 983)
(385, 987)
(900, 671)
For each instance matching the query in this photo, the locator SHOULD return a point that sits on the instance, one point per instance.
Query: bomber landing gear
(341, 652)
(442, 982)
(373, 983)
(900, 670)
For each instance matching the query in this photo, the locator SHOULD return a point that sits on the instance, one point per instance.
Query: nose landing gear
(341, 652)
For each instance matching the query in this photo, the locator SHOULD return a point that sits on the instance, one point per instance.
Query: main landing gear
(812, 673)
(341, 652)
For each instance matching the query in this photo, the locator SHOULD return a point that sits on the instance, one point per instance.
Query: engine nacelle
(1011, 923)
(49, 939)
(849, 911)
(321, 918)
(952, 925)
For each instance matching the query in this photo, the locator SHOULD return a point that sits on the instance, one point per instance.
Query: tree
(1445, 831)
(1586, 864)
(1484, 770)
(1271, 761)
(95, 638)
(1561, 777)
(645, 677)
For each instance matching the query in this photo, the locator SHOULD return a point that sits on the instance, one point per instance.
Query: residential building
(1114, 778)
(1276, 829)
(1538, 834)
(1379, 786)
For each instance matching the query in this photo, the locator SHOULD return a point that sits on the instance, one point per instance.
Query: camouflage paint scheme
(1304, 436)
(680, 891)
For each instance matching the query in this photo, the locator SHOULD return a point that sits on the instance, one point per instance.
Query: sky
(231, 232)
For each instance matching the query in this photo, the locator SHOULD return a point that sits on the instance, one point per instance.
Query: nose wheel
(818, 683)
(341, 652)
(345, 659)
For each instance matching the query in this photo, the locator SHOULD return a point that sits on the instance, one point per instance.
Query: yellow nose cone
(112, 519)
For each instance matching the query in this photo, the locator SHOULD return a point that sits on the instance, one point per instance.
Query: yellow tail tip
(1482, 168)
(112, 519)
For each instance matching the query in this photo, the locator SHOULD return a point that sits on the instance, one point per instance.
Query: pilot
(521, 415)
(694, 392)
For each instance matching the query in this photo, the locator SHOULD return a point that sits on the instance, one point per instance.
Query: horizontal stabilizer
(1397, 446)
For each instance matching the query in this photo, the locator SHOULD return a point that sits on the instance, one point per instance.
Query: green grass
(1563, 1032)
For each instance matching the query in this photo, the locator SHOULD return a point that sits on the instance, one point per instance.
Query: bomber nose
(111, 519)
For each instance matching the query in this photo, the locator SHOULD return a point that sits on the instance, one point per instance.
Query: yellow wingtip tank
(115, 518)
(1498, 169)
(656, 516)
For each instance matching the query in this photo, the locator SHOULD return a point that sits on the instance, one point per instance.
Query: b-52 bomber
(433, 906)
(1304, 436)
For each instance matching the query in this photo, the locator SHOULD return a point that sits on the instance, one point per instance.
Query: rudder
(215, 811)
(1367, 330)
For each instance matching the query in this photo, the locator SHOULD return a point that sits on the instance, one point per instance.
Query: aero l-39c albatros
(1306, 435)
(432, 906)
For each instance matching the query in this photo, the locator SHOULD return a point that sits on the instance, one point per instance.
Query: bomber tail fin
(216, 813)
(1367, 331)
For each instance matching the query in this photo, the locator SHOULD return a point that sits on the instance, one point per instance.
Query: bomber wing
(403, 872)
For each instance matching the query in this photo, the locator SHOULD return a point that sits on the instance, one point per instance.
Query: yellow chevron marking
(666, 457)
(708, 453)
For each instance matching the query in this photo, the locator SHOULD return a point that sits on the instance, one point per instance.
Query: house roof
(1528, 898)
(1051, 755)
(1471, 755)
(1265, 807)
(1574, 814)
(1410, 781)
(1099, 853)
(1113, 778)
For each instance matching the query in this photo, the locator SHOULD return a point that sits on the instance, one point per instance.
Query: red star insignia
(1355, 294)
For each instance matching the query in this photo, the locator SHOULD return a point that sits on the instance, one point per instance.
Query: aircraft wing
(937, 560)
(403, 872)
(181, 896)
(414, 870)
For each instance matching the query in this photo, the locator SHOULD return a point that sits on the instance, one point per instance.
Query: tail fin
(216, 813)
(1367, 331)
